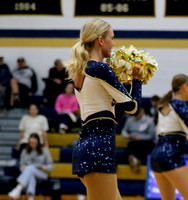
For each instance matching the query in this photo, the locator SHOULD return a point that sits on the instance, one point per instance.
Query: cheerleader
(167, 158)
(97, 89)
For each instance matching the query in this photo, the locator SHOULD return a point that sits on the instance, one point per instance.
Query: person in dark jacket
(23, 84)
(56, 82)
(5, 77)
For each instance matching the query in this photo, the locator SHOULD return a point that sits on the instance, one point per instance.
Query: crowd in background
(59, 111)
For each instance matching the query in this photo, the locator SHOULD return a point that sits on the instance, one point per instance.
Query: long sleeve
(143, 128)
(74, 106)
(58, 106)
(5, 74)
(34, 85)
(125, 129)
(49, 162)
(129, 103)
(150, 132)
(181, 110)
(22, 162)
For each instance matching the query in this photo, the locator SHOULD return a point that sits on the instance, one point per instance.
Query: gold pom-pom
(125, 61)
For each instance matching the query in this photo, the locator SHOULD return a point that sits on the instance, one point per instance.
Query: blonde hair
(177, 82)
(92, 30)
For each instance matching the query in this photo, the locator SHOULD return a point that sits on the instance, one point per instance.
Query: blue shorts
(168, 153)
(95, 150)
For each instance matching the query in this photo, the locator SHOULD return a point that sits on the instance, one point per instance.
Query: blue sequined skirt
(168, 154)
(95, 150)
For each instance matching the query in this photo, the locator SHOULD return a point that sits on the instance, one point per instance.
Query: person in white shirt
(32, 123)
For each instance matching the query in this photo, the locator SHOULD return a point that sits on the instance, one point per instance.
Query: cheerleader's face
(107, 43)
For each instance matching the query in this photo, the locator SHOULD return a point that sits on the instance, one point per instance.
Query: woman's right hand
(136, 74)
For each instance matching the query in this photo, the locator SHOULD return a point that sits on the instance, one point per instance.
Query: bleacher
(131, 185)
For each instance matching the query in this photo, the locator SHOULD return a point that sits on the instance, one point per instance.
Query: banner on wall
(30, 7)
(176, 8)
(115, 8)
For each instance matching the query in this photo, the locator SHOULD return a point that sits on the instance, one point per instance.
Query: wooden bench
(124, 172)
(59, 140)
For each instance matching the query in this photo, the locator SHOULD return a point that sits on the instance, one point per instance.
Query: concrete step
(4, 163)
(8, 129)
(16, 113)
(9, 122)
(11, 143)
(5, 157)
(5, 150)
(16, 131)
(9, 136)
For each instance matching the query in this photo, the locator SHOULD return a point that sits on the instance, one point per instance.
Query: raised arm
(130, 103)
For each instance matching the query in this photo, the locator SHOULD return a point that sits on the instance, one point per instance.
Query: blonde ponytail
(165, 99)
(177, 82)
(91, 30)
(78, 61)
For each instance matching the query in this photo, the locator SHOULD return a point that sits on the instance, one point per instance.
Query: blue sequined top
(101, 88)
(181, 108)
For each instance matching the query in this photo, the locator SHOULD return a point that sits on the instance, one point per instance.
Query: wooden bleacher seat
(124, 172)
(55, 153)
(61, 147)
(59, 140)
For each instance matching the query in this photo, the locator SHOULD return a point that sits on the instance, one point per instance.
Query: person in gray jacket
(35, 162)
(141, 130)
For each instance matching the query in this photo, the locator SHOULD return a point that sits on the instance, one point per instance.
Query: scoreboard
(30, 7)
(176, 8)
(129, 8)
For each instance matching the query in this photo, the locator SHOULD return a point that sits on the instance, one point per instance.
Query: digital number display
(176, 8)
(114, 8)
(33, 7)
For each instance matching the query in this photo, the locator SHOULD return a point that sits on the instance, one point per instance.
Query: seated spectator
(35, 163)
(66, 106)
(55, 83)
(152, 109)
(142, 133)
(32, 123)
(23, 84)
(5, 77)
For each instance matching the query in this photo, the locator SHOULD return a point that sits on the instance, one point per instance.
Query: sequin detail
(104, 72)
(181, 108)
(95, 150)
(168, 154)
